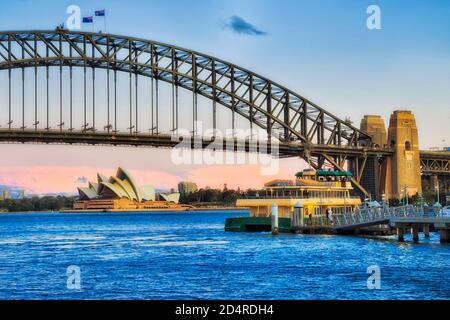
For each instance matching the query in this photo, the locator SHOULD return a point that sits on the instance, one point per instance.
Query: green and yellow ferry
(320, 192)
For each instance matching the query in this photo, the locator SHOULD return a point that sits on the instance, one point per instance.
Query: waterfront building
(317, 191)
(320, 193)
(120, 192)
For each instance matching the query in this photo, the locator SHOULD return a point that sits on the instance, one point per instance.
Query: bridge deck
(279, 148)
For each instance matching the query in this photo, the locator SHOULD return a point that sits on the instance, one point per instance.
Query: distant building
(5, 195)
(185, 187)
(121, 193)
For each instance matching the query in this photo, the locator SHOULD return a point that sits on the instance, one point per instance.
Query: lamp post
(437, 191)
(345, 201)
(405, 194)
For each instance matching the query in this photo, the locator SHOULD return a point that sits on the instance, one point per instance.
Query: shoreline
(131, 211)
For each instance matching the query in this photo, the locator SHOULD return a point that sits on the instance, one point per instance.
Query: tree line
(47, 203)
(208, 196)
(226, 197)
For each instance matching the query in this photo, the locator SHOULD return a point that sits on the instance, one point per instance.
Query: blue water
(189, 256)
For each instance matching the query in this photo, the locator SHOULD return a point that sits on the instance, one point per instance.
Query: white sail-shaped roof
(125, 186)
(173, 197)
(87, 193)
(120, 186)
(148, 193)
(93, 185)
(123, 175)
(101, 178)
(115, 189)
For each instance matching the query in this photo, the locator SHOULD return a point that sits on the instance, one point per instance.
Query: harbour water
(188, 255)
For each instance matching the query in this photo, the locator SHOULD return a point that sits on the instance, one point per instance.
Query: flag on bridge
(100, 13)
(88, 20)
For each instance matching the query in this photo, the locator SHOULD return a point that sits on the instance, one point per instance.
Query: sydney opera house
(121, 193)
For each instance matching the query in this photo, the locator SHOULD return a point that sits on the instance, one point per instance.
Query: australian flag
(100, 13)
(88, 20)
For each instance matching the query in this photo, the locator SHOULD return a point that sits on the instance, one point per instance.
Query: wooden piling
(445, 236)
(400, 233)
(275, 229)
(426, 230)
(415, 232)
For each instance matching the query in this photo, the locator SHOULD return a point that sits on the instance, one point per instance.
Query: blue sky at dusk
(320, 49)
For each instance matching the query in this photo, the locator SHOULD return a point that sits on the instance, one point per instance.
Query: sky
(321, 49)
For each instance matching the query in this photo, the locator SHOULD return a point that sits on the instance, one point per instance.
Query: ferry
(321, 193)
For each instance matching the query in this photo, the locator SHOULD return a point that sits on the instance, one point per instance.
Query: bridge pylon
(402, 171)
(372, 178)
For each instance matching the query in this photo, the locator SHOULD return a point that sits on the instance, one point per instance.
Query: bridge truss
(435, 163)
(301, 127)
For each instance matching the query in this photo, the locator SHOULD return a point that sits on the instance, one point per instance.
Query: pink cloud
(243, 176)
(52, 169)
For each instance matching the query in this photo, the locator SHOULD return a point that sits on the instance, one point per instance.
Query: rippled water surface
(190, 256)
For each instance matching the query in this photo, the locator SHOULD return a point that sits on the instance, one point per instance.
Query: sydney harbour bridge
(101, 89)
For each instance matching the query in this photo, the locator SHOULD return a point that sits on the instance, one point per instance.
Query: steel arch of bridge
(302, 127)
(268, 105)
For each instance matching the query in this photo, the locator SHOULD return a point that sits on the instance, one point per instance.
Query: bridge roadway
(285, 149)
(432, 162)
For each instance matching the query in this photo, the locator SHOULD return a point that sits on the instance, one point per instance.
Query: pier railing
(374, 216)
(381, 214)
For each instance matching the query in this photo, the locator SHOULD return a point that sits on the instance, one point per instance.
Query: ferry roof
(324, 173)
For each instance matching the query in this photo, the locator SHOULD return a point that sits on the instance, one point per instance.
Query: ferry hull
(256, 224)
